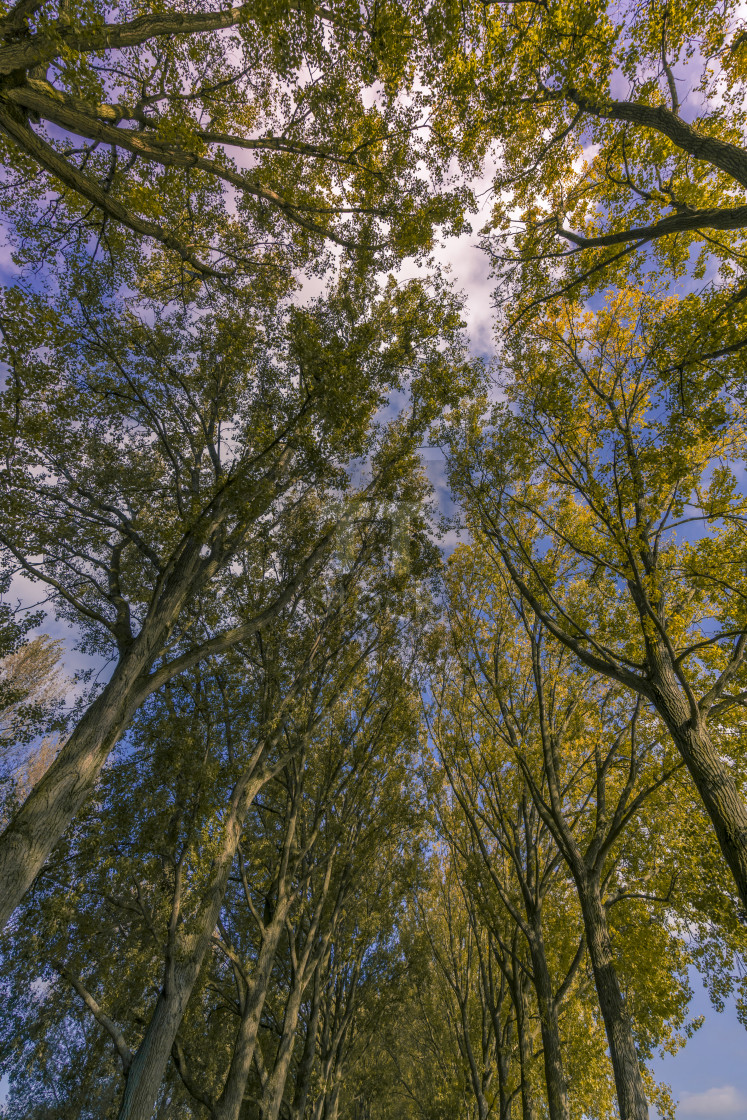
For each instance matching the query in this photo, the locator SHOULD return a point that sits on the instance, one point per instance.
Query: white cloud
(724, 1101)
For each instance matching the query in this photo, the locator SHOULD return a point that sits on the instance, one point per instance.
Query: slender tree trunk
(631, 1095)
(145, 1075)
(518, 996)
(229, 1104)
(475, 1078)
(332, 1102)
(272, 1095)
(557, 1089)
(502, 1066)
(306, 1066)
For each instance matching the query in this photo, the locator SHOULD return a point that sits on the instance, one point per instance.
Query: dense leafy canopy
(330, 822)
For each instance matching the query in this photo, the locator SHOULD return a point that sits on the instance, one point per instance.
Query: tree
(601, 773)
(495, 831)
(238, 139)
(31, 690)
(224, 826)
(30, 685)
(603, 458)
(194, 438)
(621, 138)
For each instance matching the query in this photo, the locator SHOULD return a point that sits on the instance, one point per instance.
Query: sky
(709, 1075)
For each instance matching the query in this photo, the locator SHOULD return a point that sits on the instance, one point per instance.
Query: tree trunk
(557, 1090)
(631, 1095)
(711, 775)
(518, 994)
(306, 1066)
(505, 1100)
(272, 1095)
(332, 1102)
(229, 1104)
(145, 1075)
(27, 842)
(50, 807)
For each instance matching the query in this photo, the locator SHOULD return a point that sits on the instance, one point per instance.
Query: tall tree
(194, 438)
(607, 460)
(200, 862)
(596, 764)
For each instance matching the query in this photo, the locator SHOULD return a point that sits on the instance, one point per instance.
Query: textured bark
(33, 50)
(517, 984)
(711, 775)
(631, 1095)
(17, 128)
(557, 1089)
(332, 1102)
(719, 153)
(724, 218)
(228, 1106)
(306, 1065)
(149, 1064)
(37, 826)
(528, 1110)
(309, 965)
(272, 1094)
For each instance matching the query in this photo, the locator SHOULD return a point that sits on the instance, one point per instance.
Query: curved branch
(100, 1016)
(726, 218)
(51, 161)
(728, 157)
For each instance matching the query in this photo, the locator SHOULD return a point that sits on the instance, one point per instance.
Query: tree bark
(722, 154)
(149, 1064)
(228, 1106)
(713, 780)
(557, 1089)
(272, 1095)
(33, 832)
(631, 1094)
(306, 1065)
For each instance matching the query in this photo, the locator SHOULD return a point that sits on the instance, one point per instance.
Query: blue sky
(709, 1075)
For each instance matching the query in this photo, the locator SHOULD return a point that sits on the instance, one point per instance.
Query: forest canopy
(373, 707)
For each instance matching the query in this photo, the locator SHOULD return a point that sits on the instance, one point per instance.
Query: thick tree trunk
(631, 1095)
(145, 1075)
(50, 807)
(557, 1089)
(713, 779)
(27, 842)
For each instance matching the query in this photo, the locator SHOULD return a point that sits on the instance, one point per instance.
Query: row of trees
(329, 828)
